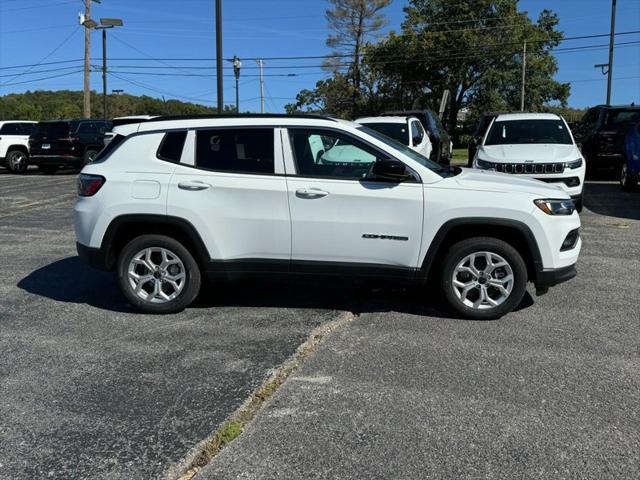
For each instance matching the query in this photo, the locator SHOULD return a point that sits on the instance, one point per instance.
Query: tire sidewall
(192, 272)
(9, 161)
(479, 244)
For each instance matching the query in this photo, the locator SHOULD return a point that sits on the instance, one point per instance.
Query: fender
(438, 240)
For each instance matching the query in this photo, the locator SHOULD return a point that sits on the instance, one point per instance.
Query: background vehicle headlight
(555, 207)
(574, 164)
(484, 165)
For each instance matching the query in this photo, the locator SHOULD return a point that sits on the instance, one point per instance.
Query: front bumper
(550, 277)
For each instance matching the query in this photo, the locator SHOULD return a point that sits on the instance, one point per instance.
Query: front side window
(515, 132)
(171, 147)
(243, 150)
(328, 154)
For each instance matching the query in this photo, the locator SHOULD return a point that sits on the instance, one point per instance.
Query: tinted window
(323, 153)
(11, 129)
(416, 133)
(53, 129)
(397, 131)
(591, 116)
(87, 128)
(171, 146)
(616, 117)
(28, 128)
(528, 131)
(247, 150)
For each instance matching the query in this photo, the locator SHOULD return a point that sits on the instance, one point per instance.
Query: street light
(105, 23)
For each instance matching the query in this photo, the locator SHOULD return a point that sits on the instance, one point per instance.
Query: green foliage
(53, 105)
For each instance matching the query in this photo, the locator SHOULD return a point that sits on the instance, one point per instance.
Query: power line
(37, 6)
(34, 80)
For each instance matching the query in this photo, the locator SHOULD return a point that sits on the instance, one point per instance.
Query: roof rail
(240, 115)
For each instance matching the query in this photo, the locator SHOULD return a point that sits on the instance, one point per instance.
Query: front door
(338, 216)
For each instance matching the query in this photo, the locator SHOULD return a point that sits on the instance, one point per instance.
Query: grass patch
(233, 428)
(459, 156)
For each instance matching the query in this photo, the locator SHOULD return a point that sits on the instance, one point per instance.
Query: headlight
(574, 164)
(484, 165)
(555, 207)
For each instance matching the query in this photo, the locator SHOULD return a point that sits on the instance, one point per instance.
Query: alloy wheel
(17, 162)
(156, 275)
(483, 280)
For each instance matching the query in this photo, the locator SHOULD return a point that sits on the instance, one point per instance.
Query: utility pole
(611, 45)
(524, 75)
(261, 65)
(87, 62)
(104, 74)
(236, 73)
(219, 54)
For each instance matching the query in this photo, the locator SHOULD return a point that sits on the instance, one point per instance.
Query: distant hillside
(52, 105)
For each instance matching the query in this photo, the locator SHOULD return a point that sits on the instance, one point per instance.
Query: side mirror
(417, 140)
(388, 169)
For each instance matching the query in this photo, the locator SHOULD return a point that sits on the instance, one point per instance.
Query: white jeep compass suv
(181, 198)
(536, 145)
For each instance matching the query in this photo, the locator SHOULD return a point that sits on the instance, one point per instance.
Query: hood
(535, 153)
(485, 180)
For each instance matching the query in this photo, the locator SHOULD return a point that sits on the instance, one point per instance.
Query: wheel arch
(22, 148)
(514, 232)
(125, 228)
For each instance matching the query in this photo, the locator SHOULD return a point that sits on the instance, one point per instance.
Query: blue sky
(31, 30)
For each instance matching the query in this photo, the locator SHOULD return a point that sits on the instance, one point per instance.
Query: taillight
(88, 185)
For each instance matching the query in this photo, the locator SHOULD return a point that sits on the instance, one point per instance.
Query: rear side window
(11, 129)
(87, 127)
(244, 150)
(171, 147)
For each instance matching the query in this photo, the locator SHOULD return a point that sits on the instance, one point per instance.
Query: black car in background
(440, 139)
(72, 143)
(601, 134)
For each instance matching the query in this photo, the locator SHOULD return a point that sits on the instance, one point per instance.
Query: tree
(353, 23)
(474, 50)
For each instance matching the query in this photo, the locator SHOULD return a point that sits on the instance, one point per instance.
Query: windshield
(52, 129)
(512, 132)
(422, 160)
(616, 117)
(397, 131)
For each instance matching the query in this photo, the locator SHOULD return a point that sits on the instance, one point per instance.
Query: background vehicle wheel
(17, 161)
(158, 275)
(628, 182)
(579, 203)
(483, 278)
(89, 155)
(48, 168)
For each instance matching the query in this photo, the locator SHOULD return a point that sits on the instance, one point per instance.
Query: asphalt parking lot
(91, 389)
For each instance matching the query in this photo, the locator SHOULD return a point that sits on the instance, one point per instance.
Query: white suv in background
(181, 198)
(14, 144)
(406, 130)
(536, 145)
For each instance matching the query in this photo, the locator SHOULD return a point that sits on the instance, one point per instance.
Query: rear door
(339, 219)
(234, 193)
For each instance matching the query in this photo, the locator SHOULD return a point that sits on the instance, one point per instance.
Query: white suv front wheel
(158, 274)
(483, 278)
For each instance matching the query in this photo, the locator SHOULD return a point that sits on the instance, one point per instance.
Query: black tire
(628, 182)
(48, 168)
(192, 277)
(464, 248)
(89, 155)
(579, 203)
(17, 161)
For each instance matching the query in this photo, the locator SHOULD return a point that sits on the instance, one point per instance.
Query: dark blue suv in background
(630, 171)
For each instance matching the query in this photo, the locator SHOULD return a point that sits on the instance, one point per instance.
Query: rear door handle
(194, 186)
(311, 193)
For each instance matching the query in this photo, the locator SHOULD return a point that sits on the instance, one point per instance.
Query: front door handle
(311, 193)
(194, 186)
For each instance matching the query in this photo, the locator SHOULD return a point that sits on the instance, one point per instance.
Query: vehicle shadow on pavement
(72, 281)
(606, 198)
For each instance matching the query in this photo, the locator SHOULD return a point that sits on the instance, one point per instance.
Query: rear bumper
(55, 160)
(551, 277)
(94, 257)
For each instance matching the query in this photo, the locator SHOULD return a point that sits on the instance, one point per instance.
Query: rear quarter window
(170, 149)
